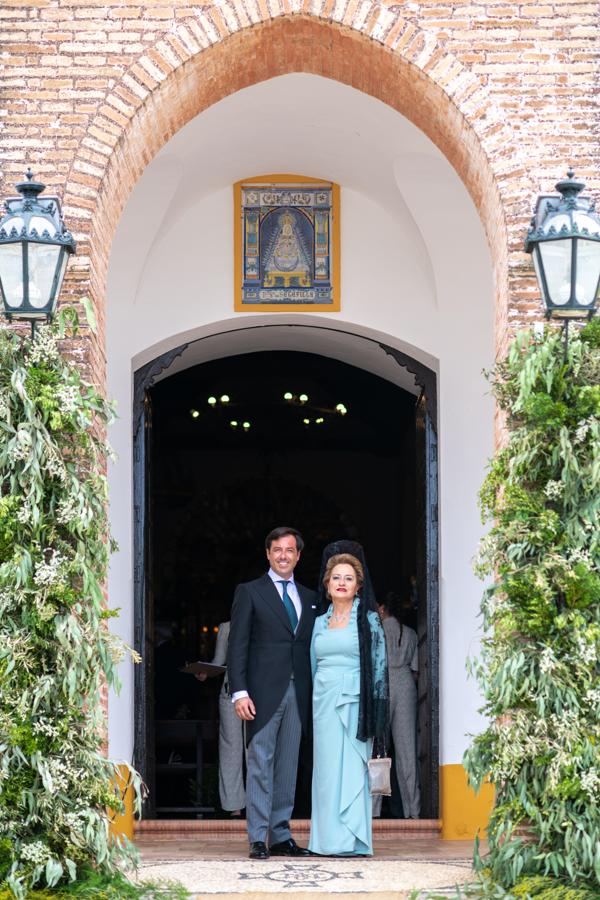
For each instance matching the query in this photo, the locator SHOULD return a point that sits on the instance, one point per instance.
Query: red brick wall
(93, 88)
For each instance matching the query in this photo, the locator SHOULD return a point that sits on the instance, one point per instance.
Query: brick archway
(171, 84)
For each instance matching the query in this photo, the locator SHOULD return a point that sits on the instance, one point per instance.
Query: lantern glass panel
(588, 271)
(41, 224)
(11, 274)
(15, 224)
(581, 219)
(557, 222)
(556, 260)
(61, 274)
(43, 259)
(536, 266)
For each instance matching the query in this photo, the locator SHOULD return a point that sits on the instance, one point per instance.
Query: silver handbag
(380, 770)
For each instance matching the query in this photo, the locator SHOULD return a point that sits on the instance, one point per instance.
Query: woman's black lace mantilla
(373, 711)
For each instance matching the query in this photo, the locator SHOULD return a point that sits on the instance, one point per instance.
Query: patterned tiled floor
(219, 866)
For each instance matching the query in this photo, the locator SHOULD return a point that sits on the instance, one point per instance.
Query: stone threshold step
(310, 895)
(209, 827)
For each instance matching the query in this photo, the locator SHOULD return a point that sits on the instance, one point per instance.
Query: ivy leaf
(90, 315)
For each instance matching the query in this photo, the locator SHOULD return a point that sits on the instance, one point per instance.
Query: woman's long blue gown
(341, 821)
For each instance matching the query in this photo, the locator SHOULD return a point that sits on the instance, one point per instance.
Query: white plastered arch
(416, 275)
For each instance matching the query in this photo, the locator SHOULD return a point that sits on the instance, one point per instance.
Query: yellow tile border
(287, 178)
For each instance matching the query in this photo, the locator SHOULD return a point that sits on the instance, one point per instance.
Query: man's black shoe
(258, 850)
(288, 848)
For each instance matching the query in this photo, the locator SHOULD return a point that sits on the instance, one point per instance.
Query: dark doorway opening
(232, 447)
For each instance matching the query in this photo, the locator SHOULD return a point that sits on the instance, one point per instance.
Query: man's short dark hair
(283, 531)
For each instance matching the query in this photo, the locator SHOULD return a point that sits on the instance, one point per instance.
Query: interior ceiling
(374, 413)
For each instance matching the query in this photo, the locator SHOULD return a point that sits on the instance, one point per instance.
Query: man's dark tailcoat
(264, 652)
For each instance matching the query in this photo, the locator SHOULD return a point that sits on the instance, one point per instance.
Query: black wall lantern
(34, 249)
(564, 239)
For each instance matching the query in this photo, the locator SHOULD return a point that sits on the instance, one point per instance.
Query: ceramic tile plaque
(286, 244)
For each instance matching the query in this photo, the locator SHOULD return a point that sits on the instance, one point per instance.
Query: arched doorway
(403, 286)
(206, 491)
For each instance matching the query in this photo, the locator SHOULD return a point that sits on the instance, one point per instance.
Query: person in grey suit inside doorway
(268, 665)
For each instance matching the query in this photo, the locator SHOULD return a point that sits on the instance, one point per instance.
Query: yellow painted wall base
(464, 813)
(123, 824)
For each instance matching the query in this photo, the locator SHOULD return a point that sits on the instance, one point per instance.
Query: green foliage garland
(539, 669)
(57, 789)
(92, 885)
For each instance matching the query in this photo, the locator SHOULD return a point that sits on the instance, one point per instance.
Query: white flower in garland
(590, 782)
(55, 467)
(36, 852)
(48, 572)
(43, 726)
(69, 397)
(73, 819)
(6, 601)
(561, 763)
(61, 774)
(593, 698)
(577, 555)
(73, 509)
(547, 661)
(554, 490)
(24, 514)
(44, 349)
(583, 429)
(76, 822)
(21, 447)
(566, 726)
(66, 511)
(586, 650)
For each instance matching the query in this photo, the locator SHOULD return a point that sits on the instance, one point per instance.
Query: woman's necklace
(339, 617)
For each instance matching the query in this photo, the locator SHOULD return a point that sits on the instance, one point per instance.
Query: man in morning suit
(268, 665)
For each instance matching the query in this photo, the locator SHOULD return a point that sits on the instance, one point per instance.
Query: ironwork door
(427, 617)
(144, 750)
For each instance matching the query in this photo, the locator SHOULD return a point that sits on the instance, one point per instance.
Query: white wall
(416, 272)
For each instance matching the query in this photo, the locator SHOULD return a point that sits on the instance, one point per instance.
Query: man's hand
(245, 709)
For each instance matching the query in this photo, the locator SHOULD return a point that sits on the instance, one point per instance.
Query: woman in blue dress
(350, 708)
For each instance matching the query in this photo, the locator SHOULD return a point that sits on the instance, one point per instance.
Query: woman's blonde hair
(344, 559)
